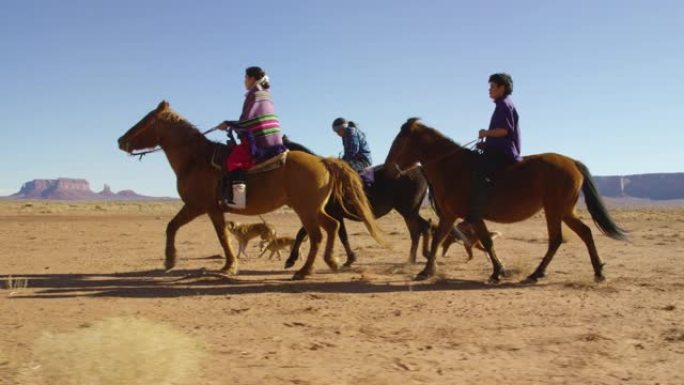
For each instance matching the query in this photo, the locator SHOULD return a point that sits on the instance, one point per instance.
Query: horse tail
(596, 208)
(347, 188)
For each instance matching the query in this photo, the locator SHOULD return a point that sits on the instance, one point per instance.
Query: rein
(140, 154)
(442, 156)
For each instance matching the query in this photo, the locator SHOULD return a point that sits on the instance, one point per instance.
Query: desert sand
(83, 299)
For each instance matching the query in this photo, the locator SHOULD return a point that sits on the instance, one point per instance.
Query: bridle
(466, 146)
(140, 154)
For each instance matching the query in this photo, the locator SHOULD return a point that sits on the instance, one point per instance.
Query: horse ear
(163, 106)
(410, 124)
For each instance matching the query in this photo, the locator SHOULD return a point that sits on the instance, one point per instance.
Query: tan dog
(463, 234)
(248, 231)
(275, 245)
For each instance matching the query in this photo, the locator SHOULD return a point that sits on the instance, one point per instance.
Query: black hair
(258, 74)
(338, 122)
(503, 79)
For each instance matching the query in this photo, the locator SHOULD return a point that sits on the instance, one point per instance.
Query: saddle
(218, 161)
(368, 176)
(221, 153)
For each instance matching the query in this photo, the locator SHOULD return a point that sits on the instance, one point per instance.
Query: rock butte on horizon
(72, 189)
(658, 186)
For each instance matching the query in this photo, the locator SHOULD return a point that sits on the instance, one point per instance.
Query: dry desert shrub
(114, 351)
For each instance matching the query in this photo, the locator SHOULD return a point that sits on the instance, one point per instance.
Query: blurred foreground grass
(124, 350)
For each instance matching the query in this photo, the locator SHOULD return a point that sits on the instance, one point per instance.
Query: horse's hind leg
(185, 215)
(553, 224)
(312, 227)
(330, 225)
(584, 232)
(417, 226)
(294, 252)
(344, 238)
(219, 223)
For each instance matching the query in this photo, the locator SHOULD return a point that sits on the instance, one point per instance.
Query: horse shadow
(184, 283)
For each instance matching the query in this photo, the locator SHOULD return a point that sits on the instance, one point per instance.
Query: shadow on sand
(181, 283)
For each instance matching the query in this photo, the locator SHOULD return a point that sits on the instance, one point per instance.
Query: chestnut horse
(305, 183)
(404, 194)
(545, 181)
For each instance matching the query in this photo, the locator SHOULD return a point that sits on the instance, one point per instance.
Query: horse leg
(344, 238)
(294, 252)
(442, 230)
(416, 228)
(553, 224)
(486, 239)
(330, 225)
(185, 215)
(584, 232)
(426, 232)
(219, 222)
(311, 225)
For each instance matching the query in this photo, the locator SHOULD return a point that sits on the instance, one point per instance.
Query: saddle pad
(270, 163)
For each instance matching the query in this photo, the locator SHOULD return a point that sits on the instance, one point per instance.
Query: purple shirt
(505, 116)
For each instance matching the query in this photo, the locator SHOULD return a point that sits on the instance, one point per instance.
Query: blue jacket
(355, 146)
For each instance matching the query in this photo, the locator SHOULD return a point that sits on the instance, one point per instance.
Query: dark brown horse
(404, 194)
(546, 181)
(304, 182)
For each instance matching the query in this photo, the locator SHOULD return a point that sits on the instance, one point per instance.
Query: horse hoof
(299, 276)
(505, 273)
(169, 265)
(529, 280)
(493, 280)
(599, 278)
(423, 275)
(289, 264)
(229, 270)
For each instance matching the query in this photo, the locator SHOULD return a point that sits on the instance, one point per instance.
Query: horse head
(144, 134)
(403, 154)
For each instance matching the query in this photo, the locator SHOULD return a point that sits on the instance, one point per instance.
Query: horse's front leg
(443, 228)
(486, 239)
(185, 215)
(219, 222)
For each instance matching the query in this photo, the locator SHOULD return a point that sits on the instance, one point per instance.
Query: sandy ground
(70, 268)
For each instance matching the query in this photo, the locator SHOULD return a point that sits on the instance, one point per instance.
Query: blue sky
(600, 81)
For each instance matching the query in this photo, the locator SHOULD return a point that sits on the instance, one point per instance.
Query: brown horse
(305, 183)
(546, 181)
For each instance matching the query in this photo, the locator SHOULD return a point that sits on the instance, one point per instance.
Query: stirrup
(239, 201)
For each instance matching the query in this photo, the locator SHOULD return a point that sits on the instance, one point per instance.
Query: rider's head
(256, 76)
(500, 85)
(340, 125)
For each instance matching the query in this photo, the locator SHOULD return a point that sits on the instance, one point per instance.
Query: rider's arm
(493, 133)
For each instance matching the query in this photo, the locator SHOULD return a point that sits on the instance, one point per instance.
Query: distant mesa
(662, 186)
(70, 189)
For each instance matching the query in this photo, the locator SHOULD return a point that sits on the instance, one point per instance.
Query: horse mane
(429, 134)
(294, 146)
(178, 119)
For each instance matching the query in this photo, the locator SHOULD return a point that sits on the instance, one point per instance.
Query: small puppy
(248, 231)
(463, 234)
(275, 245)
